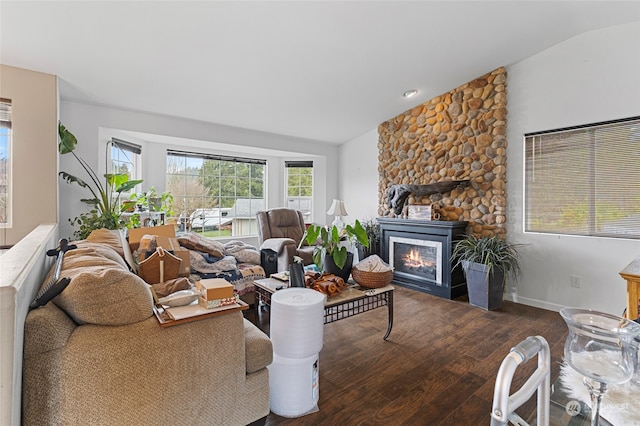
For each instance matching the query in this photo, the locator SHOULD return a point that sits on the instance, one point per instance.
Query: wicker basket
(372, 279)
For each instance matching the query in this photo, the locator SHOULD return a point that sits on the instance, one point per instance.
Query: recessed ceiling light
(410, 93)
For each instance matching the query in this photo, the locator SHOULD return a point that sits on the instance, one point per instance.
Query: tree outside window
(5, 162)
(300, 187)
(584, 180)
(214, 195)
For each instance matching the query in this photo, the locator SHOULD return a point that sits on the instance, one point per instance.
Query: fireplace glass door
(416, 259)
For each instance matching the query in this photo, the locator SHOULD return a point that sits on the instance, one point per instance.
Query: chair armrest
(46, 328)
(278, 244)
(286, 249)
(258, 348)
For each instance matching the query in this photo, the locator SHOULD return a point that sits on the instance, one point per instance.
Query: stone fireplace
(460, 135)
(420, 253)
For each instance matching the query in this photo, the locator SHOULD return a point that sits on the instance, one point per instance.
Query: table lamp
(337, 208)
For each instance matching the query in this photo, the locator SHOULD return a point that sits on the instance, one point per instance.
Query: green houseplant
(147, 201)
(372, 228)
(486, 262)
(331, 248)
(105, 195)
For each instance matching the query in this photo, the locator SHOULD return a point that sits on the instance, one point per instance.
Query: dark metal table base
(350, 308)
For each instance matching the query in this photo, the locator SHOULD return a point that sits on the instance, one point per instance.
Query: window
(300, 186)
(5, 163)
(216, 195)
(584, 180)
(124, 157)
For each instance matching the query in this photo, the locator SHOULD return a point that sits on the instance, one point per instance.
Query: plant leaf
(128, 185)
(68, 141)
(91, 201)
(71, 179)
(360, 233)
(335, 234)
(311, 234)
(317, 256)
(340, 256)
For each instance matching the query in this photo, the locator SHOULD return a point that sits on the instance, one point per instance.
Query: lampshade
(337, 208)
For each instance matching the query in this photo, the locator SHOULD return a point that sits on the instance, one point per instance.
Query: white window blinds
(584, 180)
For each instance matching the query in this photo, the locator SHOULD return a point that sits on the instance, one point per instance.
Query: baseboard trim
(534, 302)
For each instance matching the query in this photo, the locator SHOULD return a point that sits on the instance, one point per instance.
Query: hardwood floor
(438, 366)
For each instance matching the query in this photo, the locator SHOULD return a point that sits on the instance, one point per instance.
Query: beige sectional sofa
(96, 355)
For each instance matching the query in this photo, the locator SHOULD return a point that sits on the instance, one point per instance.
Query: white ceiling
(328, 71)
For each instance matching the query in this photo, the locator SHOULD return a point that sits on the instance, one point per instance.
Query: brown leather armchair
(281, 230)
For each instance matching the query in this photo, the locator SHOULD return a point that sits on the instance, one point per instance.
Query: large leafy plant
(328, 241)
(105, 195)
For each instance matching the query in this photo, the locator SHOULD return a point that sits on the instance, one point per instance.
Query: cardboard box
(217, 303)
(165, 238)
(215, 288)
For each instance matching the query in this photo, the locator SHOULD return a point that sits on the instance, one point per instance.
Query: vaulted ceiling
(327, 71)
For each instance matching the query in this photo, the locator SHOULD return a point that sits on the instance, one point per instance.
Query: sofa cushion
(258, 348)
(107, 237)
(87, 254)
(196, 242)
(102, 290)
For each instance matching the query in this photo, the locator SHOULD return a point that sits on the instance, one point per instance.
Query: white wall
(358, 177)
(93, 126)
(589, 78)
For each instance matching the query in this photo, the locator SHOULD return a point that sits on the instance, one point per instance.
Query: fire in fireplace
(415, 258)
(420, 253)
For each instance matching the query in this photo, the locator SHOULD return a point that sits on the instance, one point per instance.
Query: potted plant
(148, 201)
(372, 228)
(105, 201)
(486, 262)
(331, 253)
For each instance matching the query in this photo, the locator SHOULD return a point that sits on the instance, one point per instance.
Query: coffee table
(353, 300)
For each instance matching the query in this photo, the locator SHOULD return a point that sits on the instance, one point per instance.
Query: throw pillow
(201, 265)
(102, 290)
(104, 296)
(89, 253)
(243, 252)
(110, 238)
(193, 241)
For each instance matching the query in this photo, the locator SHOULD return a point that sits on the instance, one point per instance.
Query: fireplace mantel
(439, 237)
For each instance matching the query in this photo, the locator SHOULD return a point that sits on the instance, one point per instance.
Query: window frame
(588, 161)
(6, 123)
(220, 210)
(125, 146)
(289, 198)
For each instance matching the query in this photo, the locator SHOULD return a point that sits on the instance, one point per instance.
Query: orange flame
(413, 259)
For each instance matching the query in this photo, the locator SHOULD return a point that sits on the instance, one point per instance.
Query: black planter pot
(485, 290)
(331, 268)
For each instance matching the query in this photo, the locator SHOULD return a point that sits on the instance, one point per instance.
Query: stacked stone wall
(458, 135)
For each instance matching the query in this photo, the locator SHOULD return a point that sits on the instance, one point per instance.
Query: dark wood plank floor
(438, 366)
